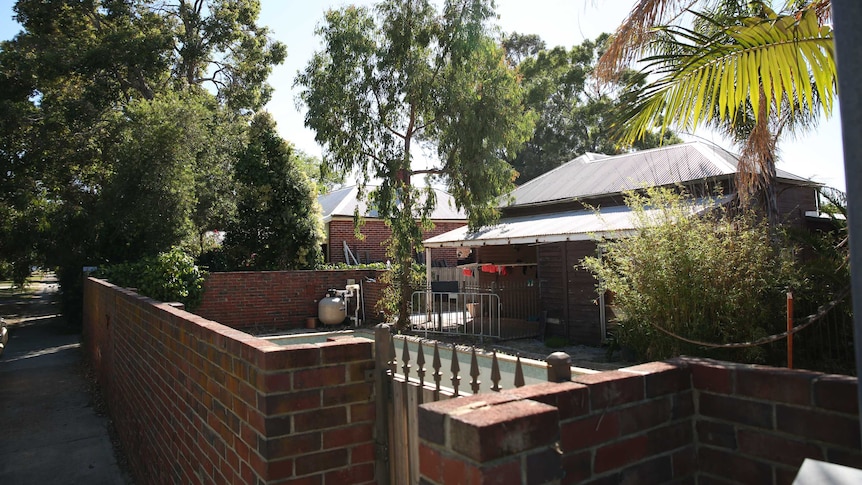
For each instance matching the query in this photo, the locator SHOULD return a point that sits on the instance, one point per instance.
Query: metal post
(428, 302)
(847, 17)
(559, 367)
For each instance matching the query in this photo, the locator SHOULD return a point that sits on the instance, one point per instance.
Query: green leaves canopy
(404, 78)
(576, 114)
(278, 219)
(119, 123)
(710, 77)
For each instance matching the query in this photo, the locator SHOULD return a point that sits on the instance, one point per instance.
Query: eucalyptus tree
(734, 65)
(402, 82)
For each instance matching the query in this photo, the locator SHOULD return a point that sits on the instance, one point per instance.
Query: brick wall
(282, 299)
(373, 247)
(678, 421)
(196, 402)
(757, 424)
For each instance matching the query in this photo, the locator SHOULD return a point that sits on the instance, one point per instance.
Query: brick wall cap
(276, 347)
(705, 362)
(475, 401)
(780, 371)
(336, 341)
(838, 379)
(545, 388)
(654, 367)
(478, 415)
(612, 375)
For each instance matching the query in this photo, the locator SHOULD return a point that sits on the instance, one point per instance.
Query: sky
(816, 154)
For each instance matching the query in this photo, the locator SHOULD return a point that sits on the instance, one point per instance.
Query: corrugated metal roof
(342, 203)
(576, 225)
(594, 175)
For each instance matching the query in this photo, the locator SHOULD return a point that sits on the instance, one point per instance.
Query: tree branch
(428, 171)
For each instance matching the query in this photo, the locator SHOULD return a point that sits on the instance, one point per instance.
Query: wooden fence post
(382, 384)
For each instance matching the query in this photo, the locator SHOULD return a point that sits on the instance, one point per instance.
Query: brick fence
(282, 299)
(679, 421)
(196, 402)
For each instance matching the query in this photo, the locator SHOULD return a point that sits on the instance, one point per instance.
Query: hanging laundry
(504, 270)
(489, 268)
(468, 272)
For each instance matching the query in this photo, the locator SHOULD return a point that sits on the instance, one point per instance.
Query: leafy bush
(556, 342)
(697, 271)
(169, 276)
(390, 299)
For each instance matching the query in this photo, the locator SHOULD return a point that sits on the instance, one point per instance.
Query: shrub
(695, 270)
(169, 276)
(390, 298)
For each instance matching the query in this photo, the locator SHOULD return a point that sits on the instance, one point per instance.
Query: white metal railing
(456, 312)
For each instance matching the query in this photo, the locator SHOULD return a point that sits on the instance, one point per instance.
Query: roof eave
(544, 239)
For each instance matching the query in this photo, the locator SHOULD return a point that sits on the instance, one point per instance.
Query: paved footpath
(49, 431)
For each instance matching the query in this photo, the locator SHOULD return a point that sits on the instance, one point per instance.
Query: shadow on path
(51, 432)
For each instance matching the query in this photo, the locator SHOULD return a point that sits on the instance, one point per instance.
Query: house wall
(568, 292)
(373, 247)
(196, 402)
(280, 299)
(680, 421)
(794, 201)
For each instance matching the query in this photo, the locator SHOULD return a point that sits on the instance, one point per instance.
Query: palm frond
(710, 78)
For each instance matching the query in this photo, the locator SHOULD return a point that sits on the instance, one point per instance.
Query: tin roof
(593, 175)
(575, 225)
(342, 203)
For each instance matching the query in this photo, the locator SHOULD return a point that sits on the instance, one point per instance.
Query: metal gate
(404, 383)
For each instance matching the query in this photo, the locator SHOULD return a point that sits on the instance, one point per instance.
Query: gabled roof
(343, 202)
(594, 175)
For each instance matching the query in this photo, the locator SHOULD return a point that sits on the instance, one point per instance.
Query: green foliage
(732, 66)
(119, 122)
(390, 299)
(154, 165)
(278, 218)
(738, 67)
(695, 270)
(325, 180)
(403, 76)
(556, 342)
(576, 113)
(169, 276)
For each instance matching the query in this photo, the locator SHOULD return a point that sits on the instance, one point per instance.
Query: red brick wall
(196, 402)
(679, 421)
(757, 424)
(282, 299)
(373, 247)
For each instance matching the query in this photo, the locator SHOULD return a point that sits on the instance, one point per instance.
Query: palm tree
(736, 66)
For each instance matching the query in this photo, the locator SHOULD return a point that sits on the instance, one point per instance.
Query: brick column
(484, 439)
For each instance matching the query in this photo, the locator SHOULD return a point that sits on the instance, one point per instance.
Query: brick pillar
(484, 439)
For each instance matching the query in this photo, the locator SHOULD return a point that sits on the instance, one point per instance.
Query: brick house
(550, 225)
(338, 208)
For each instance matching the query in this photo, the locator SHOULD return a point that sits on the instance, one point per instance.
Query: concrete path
(49, 429)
